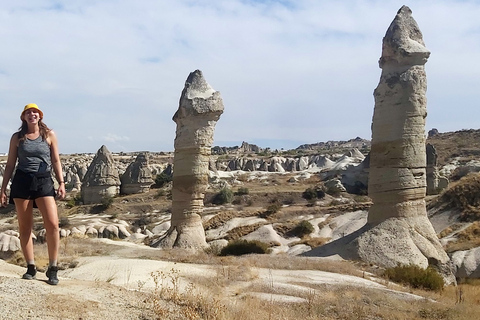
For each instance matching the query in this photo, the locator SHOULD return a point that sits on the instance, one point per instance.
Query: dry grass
(466, 239)
(463, 195)
(208, 300)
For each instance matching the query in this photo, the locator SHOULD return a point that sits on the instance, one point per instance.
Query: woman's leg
(48, 208)
(24, 209)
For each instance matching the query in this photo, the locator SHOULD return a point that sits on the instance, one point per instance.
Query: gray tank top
(34, 156)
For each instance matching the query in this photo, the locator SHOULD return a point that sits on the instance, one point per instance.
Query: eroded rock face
(200, 108)
(398, 230)
(137, 177)
(102, 178)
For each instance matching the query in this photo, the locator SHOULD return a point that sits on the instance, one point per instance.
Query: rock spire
(199, 109)
(398, 230)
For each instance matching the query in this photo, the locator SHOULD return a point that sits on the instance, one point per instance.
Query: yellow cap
(31, 106)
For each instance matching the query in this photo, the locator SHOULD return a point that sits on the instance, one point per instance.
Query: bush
(162, 179)
(416, 277)
(107, 202)
(224, 196)
(302, 229)
(271, 209)
(309, 194)
(317, 192)
(241, 247)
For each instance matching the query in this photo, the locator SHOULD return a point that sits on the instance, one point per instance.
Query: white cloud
(111, 137)
(292, 71)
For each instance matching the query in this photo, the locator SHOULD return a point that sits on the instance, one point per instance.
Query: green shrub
(416, 277)
(317, 192)
(302, 229)
(107, 202)
(242, 191)
(241, 247)
(224, 196)
(162, 179)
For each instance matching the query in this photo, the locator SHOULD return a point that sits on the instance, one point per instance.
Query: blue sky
(290, 72)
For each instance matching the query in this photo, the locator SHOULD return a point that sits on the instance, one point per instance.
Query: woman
(36, 149)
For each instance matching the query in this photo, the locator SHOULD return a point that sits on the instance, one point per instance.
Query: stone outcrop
(102, 179)
(199, 109)
(137, 177)
(9, 243)
(398, 230)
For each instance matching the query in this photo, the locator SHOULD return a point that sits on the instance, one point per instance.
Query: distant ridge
(358, 143)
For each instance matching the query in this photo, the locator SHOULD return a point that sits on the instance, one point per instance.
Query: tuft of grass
(416, 277)
(242, 191)
(241, 247)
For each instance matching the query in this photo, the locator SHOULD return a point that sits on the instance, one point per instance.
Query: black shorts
(31, 186)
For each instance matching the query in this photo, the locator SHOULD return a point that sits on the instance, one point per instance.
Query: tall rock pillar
(401, 232)
(199, 109)
(398, 230)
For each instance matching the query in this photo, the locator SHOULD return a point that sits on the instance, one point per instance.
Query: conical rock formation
(199, 109)
(137, 177)
(102, 178)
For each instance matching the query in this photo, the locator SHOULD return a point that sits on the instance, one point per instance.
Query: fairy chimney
(398, 230)
(199, 109)
(137, 177)
(101, 180)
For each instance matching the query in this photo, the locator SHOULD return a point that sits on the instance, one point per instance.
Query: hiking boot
(31, 272)
(52, 275)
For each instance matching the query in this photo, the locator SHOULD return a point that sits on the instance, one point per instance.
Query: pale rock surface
(467, 263)
(398, 230)
(9, 243)
(355, 178)
(102, 178)
(199, 109)
(267, 234)
(137, 177)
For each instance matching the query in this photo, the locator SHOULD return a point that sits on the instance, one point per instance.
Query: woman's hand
(4, 199)
(61, 191)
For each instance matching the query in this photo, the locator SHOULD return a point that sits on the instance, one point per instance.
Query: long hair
(22, 131)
